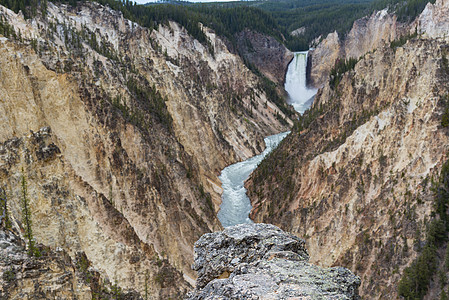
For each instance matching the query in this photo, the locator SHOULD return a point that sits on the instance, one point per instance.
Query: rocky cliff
(260, 261)
(120, 133)
(354, 178)
(51, 275)
(433, 21)
(367, 34)
(265, 53)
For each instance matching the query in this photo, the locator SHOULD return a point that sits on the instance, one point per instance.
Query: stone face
(322, 59)
(433, 21)
(51, 276)
(356, 180)
(266, 53)
(260, 261)
(367, 34)
(298, 32)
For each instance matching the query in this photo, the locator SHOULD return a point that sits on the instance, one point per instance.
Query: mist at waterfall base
(300, 96)
(235, 206)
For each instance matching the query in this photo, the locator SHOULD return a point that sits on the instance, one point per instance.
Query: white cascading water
(235, 206)
(300, 96)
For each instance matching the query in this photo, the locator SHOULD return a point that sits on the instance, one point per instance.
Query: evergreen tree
(443, 295)
(26, 219)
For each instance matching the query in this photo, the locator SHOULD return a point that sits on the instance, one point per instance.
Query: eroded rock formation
(266, 53)
(367, 34)
(260, 261)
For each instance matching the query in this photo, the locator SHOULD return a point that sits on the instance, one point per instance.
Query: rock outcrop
(355, 180)
(266, 53)
(322, 59)
(433, 21)
(367, 34)
(120, 132)
(260, 261)
(53, 274)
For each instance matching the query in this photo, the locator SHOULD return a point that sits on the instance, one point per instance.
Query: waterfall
(235, 205)
(300, 96)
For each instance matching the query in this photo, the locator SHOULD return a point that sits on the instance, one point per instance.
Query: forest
(277, 18)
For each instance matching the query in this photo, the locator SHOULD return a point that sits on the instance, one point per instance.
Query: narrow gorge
(235, 206)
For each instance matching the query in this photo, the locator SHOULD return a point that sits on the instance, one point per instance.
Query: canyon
(114, 135)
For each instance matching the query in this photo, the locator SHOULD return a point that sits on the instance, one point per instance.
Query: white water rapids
(235, 206)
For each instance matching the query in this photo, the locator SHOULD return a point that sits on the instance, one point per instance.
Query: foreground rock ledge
(260, 261)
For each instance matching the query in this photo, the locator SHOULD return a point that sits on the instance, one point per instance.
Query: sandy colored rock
(263, 262)
(121, 145)
(433, 21)
(367, 34)
(356, 182)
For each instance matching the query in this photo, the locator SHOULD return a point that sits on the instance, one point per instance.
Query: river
(235, 206)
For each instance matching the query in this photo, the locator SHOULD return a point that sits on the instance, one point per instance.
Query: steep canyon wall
(355, 178)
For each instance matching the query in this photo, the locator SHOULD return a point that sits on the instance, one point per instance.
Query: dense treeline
(405, 10)
(318, 19)
(29, 8)
(226, 21)
(277, 18)
(341, 67)
(327, 16)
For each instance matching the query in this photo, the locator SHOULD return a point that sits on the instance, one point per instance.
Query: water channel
(235, 205)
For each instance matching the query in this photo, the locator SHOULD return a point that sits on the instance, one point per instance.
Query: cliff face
(260, 261)
(433, 21)
(367, 34)
(120, 133)
(356, 181)
(322, 59)
(266, 53)
(52, 275)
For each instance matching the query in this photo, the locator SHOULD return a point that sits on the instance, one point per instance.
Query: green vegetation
(4, 216)
(6, 29)
(406, 10)
(341, 67)
(402, 40)
(269, 87)
(206, 196)
(9, 275)
(150, 100)
(416, 278)
(318, 19)
(146, 285)
(445, 116)
(274, 17)
(28, 7)
(26, 219)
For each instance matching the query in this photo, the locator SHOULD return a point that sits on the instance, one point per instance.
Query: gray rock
(260, 261)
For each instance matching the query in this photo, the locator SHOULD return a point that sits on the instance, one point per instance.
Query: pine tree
(443, 295)
(26, 218)
(4, 217)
